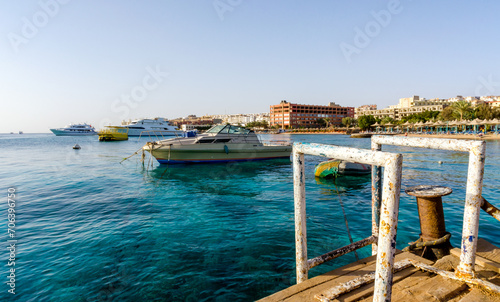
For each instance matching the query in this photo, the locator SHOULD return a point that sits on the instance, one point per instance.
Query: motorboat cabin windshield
(228, 129)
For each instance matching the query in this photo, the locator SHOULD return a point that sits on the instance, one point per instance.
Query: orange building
(287, 115)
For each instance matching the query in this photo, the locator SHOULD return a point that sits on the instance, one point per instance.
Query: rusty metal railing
(490, 209)
(473, 199)
(385, 237)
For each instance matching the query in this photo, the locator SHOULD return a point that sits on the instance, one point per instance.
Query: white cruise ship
(75, 130)
(158, 126)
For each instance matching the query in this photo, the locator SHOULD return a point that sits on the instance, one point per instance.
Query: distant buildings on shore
(192, 121)
(289, 115)
(415, 104)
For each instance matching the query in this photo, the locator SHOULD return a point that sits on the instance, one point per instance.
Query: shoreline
(458, 136)
(454, 136)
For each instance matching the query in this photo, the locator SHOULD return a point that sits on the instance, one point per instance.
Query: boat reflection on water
(346, 183)
(233, 178)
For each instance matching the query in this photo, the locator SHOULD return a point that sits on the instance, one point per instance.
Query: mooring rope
(345, 218)
(131, 155)
(420, 243)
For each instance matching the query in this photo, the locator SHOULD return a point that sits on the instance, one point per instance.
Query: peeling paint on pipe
(388, 227)
(376, 197)
(472, 281)
(348, 286)
(299, 192)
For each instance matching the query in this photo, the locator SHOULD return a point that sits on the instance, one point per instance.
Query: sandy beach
(458, 136)
(455, 136)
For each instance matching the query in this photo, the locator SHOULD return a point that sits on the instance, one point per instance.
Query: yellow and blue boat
(113, 133)
(335, 167)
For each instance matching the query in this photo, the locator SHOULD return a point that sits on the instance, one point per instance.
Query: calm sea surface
(90, 228)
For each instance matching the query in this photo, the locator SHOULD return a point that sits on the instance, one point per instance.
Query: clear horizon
(103, 62)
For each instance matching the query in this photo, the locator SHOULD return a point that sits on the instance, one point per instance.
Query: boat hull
(58, 132)
(217, 153)
(332, 168)
(153, 132)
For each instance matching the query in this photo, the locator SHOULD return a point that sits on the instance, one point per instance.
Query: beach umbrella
(453, 124)
(419, 125)
(388, 125)
(407, 124)
(475, 123)
(494, 121)
(428, 124)
(439, 124)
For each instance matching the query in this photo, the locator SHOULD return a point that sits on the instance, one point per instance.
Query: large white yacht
(221, 143)
(155, 126)
(75, 129)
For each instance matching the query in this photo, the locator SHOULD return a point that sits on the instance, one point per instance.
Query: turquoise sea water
(91, 229)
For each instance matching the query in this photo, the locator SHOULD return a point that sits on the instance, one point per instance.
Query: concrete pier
(410, 284)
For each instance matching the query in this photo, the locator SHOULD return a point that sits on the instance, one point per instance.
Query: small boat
(113, 133)
(77, 147)
(335, 167)
(20, 132)
(221, 143)
(75, 130)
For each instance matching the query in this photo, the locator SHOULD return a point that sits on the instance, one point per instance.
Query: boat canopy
(228, 129)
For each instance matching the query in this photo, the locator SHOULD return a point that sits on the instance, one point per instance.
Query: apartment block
(288, 115)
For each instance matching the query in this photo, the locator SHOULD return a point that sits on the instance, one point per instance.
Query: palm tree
(484, 111)
(347, 121)
(327, 121)
(461, 108)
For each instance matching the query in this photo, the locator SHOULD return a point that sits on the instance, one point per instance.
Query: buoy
(77, 147)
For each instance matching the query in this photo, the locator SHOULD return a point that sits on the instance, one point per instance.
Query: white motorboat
(75, 130)
(221, 143)
(155, 126)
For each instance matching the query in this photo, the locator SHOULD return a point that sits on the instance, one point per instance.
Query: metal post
(299, 185)
(431, 216)
(388, 227)
(376, 197)
(473, 202)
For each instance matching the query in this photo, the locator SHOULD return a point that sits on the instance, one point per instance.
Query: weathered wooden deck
(410, 284)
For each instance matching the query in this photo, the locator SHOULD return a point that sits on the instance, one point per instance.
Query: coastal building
(406, 107)
(288, 115)
(243, 119)
(494, 104)
(365, 108)
(195, 121)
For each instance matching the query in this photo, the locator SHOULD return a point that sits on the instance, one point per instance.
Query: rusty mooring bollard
(432, 227)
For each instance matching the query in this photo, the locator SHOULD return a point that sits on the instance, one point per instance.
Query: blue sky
(104, 61)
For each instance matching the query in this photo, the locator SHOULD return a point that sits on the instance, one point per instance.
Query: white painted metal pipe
(388, 228)
(473, 199)
(426, 142)
(376, 197)
(362, 156)
(299, 192)
(390, 206)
